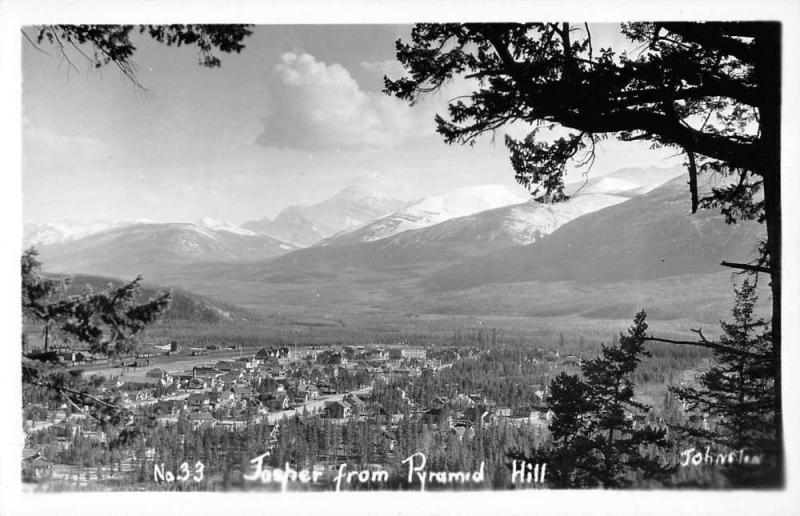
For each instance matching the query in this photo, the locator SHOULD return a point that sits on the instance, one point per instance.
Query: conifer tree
(594, 440)
(104, 321)
(737, 395)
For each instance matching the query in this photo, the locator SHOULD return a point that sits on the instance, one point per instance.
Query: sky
(295, 117)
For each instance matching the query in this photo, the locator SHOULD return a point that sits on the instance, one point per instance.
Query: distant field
(398, 308)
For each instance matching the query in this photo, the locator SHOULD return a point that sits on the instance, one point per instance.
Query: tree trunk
(768, 72)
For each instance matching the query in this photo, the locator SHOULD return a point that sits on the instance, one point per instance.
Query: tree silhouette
(595, 441)
(105, 321)
(103, 45)
(737, 394)
(711, 90)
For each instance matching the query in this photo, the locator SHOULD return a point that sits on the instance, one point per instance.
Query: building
(200, 419)
(164, 377)
(198, 401)
(414, 353)
(338, 409)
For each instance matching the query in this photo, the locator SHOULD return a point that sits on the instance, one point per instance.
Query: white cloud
(318, 105)
(391, 67)
(44, 145)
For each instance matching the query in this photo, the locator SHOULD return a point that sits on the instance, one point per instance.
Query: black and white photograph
(519, 256)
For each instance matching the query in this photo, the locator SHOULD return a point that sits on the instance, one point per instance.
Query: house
(215, 399)
(201, 419)
(241, 392)
(278, 402)
(197, 384)
(170, 407)
(374, 370)
(413, 353)
(541, 415)
(309, 389)
(230, 378)
(198, 401)
(479, 413)
(503, 411)
(244, 363)
(263, 354)
(232, 424)
(356, 403)
(144, 395)
(163, 377)
(327, 389)
(338, 409)
(205, 372)
(35, 467)
(570, 360)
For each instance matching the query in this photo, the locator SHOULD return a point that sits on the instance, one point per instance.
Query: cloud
(391, 67)
(317, 105)
(44, 145)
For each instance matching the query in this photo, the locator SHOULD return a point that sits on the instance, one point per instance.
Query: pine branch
(747, 267)
(704, 343)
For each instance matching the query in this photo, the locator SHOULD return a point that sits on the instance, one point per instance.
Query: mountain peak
(351, 207)
(435, 209)
(217, 225)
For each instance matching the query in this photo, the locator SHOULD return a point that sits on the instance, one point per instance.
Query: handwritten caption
(416, 472)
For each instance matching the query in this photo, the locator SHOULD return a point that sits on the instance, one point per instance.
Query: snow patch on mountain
(217, 225)
(529, 222)
(440, 208)
(51, 233)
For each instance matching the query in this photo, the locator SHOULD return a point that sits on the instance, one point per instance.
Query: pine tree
(737, 395)
(594, 442)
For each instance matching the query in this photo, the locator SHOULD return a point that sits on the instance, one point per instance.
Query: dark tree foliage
(595, 439)
(105, 321)
(102, 45)
(711, 90)
(737, 395)
(693, 86)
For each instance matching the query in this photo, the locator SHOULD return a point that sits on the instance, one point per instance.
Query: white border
(14, 13)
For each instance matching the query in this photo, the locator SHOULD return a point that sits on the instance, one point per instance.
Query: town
(404, 399)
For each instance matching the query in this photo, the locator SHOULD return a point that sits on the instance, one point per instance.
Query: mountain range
(136, 247)
(648, 237)
(596, 256)
(432, 210)
(620, 241)
(303, 226)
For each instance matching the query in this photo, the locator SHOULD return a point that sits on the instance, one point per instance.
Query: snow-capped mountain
(65, 231)
(526, 223)
(305, 225)
(217, 225)
(631, 181)
(433, 210)
(647, 237)
(149, 247)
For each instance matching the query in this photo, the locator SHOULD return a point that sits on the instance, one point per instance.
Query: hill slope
(185, 305)
(648, 237)
(150, 248)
